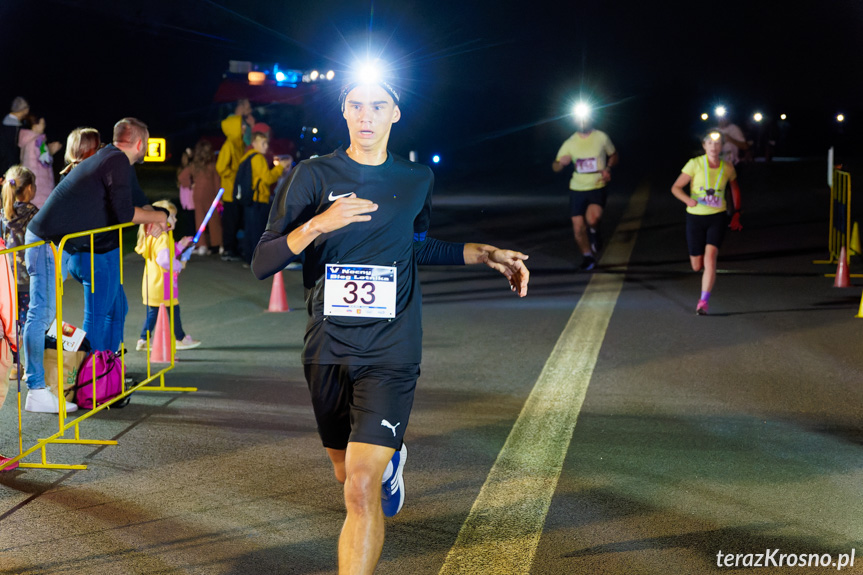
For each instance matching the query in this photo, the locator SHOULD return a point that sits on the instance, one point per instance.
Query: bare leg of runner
(337, 456)
(579, 228)
(711, 253)
(362, 535)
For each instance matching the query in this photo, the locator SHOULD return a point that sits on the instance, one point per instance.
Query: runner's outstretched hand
(511, 264)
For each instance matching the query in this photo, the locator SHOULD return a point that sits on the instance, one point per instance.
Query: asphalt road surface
(597, 426)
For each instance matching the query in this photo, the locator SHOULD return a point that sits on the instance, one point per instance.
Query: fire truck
(288, 101)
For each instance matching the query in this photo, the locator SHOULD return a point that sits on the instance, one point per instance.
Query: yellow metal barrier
(839, 233)
(74, 424)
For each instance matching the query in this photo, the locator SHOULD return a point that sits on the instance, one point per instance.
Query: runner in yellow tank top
(709, 178)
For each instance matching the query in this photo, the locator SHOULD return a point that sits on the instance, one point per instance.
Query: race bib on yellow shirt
(360, 291)
(586, 165)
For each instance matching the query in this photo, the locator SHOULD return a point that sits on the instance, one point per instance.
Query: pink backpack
(109, 380)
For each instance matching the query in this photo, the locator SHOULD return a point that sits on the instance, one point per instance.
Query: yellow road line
(502, 530)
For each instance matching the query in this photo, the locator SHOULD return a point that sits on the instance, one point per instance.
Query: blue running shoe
(393, 489)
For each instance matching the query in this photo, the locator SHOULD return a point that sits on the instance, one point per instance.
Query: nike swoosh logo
(333, 198)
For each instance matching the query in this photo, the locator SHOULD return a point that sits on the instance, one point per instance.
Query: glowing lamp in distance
(757, 116)
(705, 116)
(280, 77)
(331, 75)
(314, 75)
(155, 150)
(720, 111)
(436, 159)
(840, 117)
(782, 116)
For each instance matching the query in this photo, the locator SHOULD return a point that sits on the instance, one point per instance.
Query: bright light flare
(581, 111)
(757, 116)
(370, 72)
(330, 75)
(840, 118)
(436, 159)
(720, 111)
(314, 75)
(783, 116)
(280, 77)
(705, 116)
(715, 136)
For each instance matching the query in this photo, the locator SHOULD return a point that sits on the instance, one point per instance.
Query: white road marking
(502, 530)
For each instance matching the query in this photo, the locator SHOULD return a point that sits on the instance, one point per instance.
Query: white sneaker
(43, 401)
(187, 343)
(141, 345)
(202, 250)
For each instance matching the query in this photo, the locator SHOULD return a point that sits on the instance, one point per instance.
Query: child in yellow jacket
(156, 284)
(256, 209)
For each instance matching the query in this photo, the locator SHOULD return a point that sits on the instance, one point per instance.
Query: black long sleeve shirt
(395, 236)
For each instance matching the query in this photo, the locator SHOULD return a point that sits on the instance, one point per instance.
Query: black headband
(385, 85)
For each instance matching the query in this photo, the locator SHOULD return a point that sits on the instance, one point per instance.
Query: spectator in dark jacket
(10, 154)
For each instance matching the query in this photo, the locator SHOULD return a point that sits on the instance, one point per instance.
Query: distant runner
(708, 177)
(592, 156)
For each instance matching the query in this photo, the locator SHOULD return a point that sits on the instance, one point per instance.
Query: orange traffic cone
(843, 279)
(161, 340)
(278, 299)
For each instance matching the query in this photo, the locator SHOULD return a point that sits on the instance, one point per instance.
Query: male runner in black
(361, 215)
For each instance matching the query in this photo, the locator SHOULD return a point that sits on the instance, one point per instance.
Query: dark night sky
(480, 77)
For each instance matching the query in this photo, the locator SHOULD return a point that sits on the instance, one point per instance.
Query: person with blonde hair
(80, 145)
(708, 203)
(19, 189)
(159, 275)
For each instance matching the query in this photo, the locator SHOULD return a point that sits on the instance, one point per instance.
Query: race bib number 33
(360, 291)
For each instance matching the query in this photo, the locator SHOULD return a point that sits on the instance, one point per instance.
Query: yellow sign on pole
(155, 150)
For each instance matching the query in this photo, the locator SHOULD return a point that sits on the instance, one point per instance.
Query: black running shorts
(703, 230)
(363, 403)
(578, 201)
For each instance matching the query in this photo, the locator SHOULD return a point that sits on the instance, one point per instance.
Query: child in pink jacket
(37, 154)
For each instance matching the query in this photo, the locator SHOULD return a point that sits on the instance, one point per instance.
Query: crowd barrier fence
(73, 426)
(838, 233)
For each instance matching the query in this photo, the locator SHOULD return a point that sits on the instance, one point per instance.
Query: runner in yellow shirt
(708, 177)
(592, 156)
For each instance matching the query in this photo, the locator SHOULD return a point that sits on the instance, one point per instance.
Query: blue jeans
(153, 315)
(42, 310)
(104, 311)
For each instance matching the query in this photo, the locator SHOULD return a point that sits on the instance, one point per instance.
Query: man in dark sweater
(10, 153)
(361, 216)
(97, 193)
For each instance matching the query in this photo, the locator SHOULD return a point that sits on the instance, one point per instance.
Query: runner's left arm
(508, 262)
(430, 250)
(735, 197)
